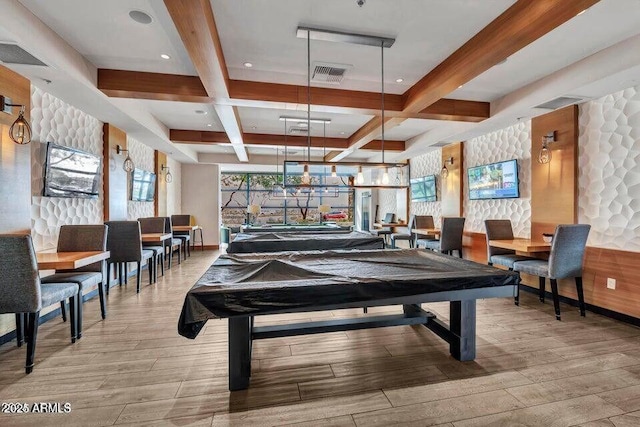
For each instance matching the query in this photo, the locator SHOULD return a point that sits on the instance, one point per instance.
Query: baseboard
(209, 247)
(592, 308)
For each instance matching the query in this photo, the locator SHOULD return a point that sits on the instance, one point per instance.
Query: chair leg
(126, 273)
(460, 252)
(162, 265)
(108, 277)
(541, 284)
(73, 311)
(19, 329)
(580, 295)
(103, 305)
(138, 277)
(79, 304)
(201, 241)
(32, 332)
(179, 253)
(170, 256)
(120, 273)
(556, 297)
(150, 268)
(63, 310)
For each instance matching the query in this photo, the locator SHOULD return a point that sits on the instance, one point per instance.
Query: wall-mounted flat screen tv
(143, 185)
(494, 181)
(423, 189)
(71, 173)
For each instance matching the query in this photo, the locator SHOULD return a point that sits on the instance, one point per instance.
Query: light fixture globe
(128, 164)
(168, 178)
(444, 173)
(385, 177)
(544, 156)
(20, 131)
(334, 172)
(360, 176)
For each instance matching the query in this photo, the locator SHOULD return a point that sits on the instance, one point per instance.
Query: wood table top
(389, 224)
(155, 237)
(185, 227)
(522, 245)
(426, 231)
(69, 260)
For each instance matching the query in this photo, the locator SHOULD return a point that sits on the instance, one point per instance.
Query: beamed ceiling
(454, 70)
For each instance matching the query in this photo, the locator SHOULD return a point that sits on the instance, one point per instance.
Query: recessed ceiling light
(140, 17)
(165, 56)
(201, 112)
(209, 125)
(581, 12)
(460, 86)
(399, 80)
(303, 124)
(248, 64)
(254, 127)
(341, 133)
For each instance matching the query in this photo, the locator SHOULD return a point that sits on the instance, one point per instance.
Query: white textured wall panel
(143, 158)
(55, 121)
(609, 170)
(428, 164)
(513, 142)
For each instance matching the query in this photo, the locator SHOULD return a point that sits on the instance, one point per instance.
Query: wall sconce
(20, 130)
(168, 177)
(544, 156)
(128, 164)
(444, 173)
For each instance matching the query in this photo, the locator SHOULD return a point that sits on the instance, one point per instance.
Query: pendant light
(385, 175)
(324, 153)
(360, 176)
(306, 178)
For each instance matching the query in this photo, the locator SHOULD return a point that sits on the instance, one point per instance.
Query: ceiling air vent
(13, 54)
(439, 144)
(297, 131)
(327, 73)
(560, 102)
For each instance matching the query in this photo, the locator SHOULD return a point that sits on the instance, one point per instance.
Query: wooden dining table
(155, 237)
(185, 227)
(391, 225)
(522, 245)
(69, 260)
(426, 231)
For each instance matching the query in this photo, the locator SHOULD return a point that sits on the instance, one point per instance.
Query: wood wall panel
(161, 185)
(15, 160)
(451, 188)
(554, 186)
(115, 178)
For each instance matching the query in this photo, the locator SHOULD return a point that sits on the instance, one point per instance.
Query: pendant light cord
(382, 73)
(308, 95)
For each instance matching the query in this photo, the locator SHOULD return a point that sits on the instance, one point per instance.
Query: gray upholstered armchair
(81, 238)
(22, 293)
(154, 225)
(185, 236)
(173, 243)
(565, 261)
(408, 236)
(450, 237)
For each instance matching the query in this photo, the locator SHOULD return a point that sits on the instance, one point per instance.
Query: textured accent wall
(609, 169)
(53, 120)
(143, 158)
(428, 164)
(174, 189)
(513, 142)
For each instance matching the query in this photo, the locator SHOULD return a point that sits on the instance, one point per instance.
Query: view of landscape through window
(239, 190)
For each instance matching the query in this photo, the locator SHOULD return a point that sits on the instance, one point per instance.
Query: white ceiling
(104, 34)
(263, 33)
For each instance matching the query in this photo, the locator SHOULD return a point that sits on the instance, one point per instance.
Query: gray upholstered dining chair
(22, 293)
(385, 232)
(185, 236)
(408, 236)
(423, 221)
(450, 237)
(565, 261)
(125, 244)
(173, 243)
(154, 225)
(81, 238)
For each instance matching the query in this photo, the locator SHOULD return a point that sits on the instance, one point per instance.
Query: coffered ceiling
(101, 35)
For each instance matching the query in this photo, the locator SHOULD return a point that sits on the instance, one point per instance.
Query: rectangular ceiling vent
(560, 102)
(13, 54)
(297, 131)
(439, 144)
(328, 73)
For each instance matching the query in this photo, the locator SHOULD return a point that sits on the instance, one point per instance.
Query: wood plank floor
(134, 369)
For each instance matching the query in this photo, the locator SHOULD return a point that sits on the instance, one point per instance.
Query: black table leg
(463, 324)
(239, 353)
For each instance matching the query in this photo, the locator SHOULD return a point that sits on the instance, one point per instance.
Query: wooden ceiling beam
(196, 25)
(182, 136)
(154, 86)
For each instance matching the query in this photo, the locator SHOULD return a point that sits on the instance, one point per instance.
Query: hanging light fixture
(360, 176)
(444, 173)
(334, 172)
(385, 175)
(168, 178)
(306, 178)
(20, 130)
(544, 156)
(128, 164)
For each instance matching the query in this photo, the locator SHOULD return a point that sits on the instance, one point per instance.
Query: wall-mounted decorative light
(544, 156)
(444, 173)
(128, 164)
(168, 177)
(20, 130)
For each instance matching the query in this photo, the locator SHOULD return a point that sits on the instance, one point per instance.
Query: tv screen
(494, 181)
(423, 189)
(143, 185)
(71, 173)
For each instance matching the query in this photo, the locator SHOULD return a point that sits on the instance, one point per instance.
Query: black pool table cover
(280, 282)
(277, 242)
